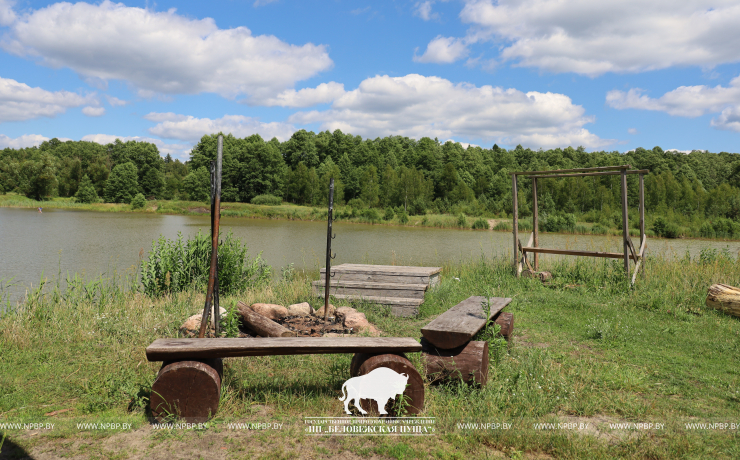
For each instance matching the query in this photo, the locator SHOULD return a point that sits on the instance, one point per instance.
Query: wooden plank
(571, 252)
(625, 226)
(642, 209)
(515, 228)
(384, 269)
(181, 349)
(608, 173)
(380, 278)
(460, 323)
(415, 291)
(401, 301)
(597, 168)
(535, 224)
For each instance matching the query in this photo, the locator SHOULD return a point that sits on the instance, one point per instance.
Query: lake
(35, 245)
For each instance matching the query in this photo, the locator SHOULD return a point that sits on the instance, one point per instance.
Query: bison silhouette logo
(380, 385)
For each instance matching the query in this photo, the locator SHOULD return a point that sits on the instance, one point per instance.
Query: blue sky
(613, 74)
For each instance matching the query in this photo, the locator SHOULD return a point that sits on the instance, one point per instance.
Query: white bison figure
(380, 384)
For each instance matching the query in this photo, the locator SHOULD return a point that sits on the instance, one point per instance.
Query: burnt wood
(468, 363)
(263, 326)
(188, 390)
(459, 324)
(414, 393)
(178, 349)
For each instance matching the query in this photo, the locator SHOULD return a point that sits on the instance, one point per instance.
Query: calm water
(35, 245)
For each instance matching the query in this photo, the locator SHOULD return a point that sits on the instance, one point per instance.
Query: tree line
(418, 176)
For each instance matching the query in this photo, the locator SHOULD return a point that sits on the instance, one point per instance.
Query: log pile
(725, 298)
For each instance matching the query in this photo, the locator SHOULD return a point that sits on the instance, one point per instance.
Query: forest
(694, 194)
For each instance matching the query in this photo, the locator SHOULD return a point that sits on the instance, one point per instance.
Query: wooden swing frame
(532, 245)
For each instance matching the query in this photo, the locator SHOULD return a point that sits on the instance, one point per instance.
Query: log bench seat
(188, 385)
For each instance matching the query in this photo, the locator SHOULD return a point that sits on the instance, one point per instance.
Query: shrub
(665, 229)
(86, 192)
(403, 218)
(558, 223)
(138, 201)
(525, 226)
(418, 207)
(480, 224)
(356, 203)
(598, 229)
(267, 200)
(371, 214)
(505, 226)
(174, 265)
(462, 221)
(389, 214)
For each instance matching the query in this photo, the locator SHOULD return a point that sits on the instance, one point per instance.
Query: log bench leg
(468, 363)
(188, 390)
(363, 364)
(506, 321)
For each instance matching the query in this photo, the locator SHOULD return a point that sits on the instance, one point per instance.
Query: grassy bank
(586, 223)
(587, 350)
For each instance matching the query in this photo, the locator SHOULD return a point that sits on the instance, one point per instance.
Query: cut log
(262, 325)
(468, 363)
(506, 321)
(459, 324)
(187, 390)
(725, 298)
(181, 349)
(414, 393)
(359, 358)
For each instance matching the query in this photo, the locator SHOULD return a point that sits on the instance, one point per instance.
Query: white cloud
(263, 2)
(7, 15)
(687, 101)
(729, 119)
(594, 37)
(93, 111)
(684, 101)
(418, 106)
(191, 129)
(443, 50)
(19, 101)
(358, 11)
(159, 117)
(322, 94)
(162, 52)
(115, 102)
(424, 10)
(181, 151)
(26, 140)
(633, 131)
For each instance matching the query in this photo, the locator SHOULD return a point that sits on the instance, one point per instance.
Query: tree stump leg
(506, 321)
(359, 358)
(468, 363)
(414, 393)
(189, 390)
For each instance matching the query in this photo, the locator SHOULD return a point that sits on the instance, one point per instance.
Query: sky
(607, 75)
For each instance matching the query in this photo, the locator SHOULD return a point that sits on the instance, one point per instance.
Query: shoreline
(287, 211)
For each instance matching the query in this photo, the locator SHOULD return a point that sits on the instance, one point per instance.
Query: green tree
(122, 184)
(86, 192)
(369, 192)
(197, 185)
(138, 201)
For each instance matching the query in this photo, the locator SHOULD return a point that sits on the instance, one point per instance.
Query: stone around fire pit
(342, 312)
(320, 312)
(191, 326)
(300, 309)
(268, 310)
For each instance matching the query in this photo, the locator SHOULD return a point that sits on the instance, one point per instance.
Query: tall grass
(587, 346)
(176, 265)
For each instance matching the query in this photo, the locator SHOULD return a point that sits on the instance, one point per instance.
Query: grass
(587, 349)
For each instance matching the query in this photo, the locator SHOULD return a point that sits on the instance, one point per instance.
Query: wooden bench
(189, 383)
(448, 350)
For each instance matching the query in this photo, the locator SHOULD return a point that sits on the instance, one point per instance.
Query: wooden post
(535, 223)
(515, 212)
(216, 213)
(625, 229)
(642, 209)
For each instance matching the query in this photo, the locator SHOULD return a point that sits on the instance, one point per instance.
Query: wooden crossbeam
(571, 252)
(598, 168)
(605, 173)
